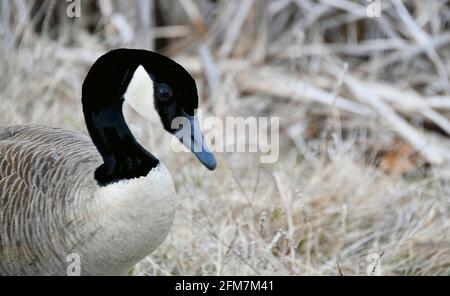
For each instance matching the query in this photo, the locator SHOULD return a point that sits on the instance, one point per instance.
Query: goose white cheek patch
(140, 95)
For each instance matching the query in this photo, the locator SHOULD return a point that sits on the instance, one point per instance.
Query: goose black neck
(124, 158)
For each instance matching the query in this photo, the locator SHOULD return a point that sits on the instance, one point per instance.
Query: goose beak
(192, 137)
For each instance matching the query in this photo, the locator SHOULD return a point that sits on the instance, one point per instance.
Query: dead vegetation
(364, 108)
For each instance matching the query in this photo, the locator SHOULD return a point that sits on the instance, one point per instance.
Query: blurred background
(362, 92)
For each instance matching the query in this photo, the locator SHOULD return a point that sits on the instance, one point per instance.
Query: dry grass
(364, 106)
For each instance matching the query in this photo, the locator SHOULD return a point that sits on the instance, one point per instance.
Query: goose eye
(164, 92)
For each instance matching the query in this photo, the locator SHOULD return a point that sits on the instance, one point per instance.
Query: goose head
(157, 88)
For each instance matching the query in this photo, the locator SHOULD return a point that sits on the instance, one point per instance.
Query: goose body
(103, 198)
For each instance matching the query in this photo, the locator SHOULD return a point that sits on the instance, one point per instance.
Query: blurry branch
(5, 31)
(85, 56)
(432, 153)
(402, 50)
(145, 35)
(439, 102)
(116, 21)
(171, 31)
(273, 82)
(348, 6)
(211, 72)
(51, 5)
(194, 15)
(106, 7)
(235, 26)
(411, 103)
(278, 84)
(123, 27)
(421, 37)
(12, 27)
(23, 13)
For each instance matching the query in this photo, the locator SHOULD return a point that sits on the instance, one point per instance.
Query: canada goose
(106, 198)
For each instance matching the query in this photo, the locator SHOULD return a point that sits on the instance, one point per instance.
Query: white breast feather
(148, 190)
(136, 216)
